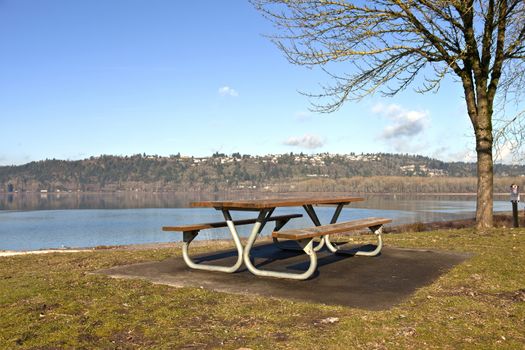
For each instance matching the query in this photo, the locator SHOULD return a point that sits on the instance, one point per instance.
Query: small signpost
(514, 199)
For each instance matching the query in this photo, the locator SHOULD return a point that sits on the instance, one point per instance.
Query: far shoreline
(240, 192)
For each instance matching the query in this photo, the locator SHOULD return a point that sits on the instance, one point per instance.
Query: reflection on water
(33, 221)
(119, 200)
(431, 204)
(130, 200)
(124, 200)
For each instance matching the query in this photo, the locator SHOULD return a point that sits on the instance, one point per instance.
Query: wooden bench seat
(342, 227)
(198, 227)
(349, 227)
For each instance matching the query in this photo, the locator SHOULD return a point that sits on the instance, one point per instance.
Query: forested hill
(143, 172)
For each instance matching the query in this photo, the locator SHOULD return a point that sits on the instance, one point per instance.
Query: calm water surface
(29, 222)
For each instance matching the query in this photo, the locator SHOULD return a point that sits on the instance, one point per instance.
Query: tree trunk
(484, 207)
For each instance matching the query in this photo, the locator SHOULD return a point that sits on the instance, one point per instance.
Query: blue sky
(90, 77)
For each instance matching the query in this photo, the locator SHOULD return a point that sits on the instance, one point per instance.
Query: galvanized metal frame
(377, 230)
(305, 244)
(189, 236)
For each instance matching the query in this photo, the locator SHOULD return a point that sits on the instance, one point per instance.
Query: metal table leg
(305, 244)
(189, 236)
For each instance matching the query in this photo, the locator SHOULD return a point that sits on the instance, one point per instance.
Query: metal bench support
(189, 236)
(377, 230)
(306, 245)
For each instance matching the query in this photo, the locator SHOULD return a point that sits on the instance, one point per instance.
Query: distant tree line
(381, 172)
(396, 184)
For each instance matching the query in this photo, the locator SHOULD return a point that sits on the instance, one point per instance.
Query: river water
(72, 220)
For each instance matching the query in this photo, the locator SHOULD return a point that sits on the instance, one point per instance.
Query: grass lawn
(53, 301)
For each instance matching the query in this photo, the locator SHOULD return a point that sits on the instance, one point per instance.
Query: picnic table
(304, 237)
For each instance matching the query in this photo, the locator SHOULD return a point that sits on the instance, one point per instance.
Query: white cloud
(307, 141)
(405, 123)
(303, 116)
(505, 152)
(445, 154)
(508, 154)
(504, 155)
(228, 91)
(401, 145)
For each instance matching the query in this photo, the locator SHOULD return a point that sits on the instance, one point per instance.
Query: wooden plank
(198, 227)
(341, 227)
(258, 204)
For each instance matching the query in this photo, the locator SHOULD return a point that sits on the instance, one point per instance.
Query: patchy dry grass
(54, 302)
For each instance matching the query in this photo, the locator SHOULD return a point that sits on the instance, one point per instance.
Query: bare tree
(389, 43)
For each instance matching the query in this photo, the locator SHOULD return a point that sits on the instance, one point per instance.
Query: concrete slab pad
(373, 283)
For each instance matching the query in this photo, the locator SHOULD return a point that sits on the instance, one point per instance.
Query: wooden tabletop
(257, 204)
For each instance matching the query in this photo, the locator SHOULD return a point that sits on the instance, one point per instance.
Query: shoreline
(7, 253)
(138, 246)
(501, 220)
